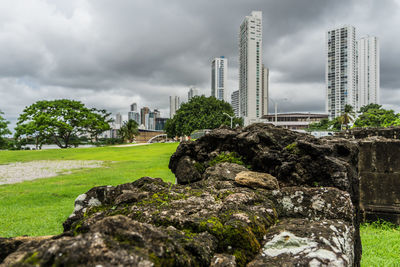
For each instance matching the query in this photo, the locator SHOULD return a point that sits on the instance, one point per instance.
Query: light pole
(231, 117)
(276, 110)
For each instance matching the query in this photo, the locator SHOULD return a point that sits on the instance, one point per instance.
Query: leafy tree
(369, 106)
(323, 124)
(347, 116)
(200, 113)
(3, 130)
(375, 116)
(129, 130)
(59, 121)
(97, 122)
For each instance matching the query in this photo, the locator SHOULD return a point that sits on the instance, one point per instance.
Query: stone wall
(379, 171)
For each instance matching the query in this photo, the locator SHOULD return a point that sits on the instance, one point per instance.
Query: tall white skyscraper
(219, 72)
(265, 92)
(192, 92)
(368, 71)
(341, 70)
(174, 104)
(250, 67)
(235, 102)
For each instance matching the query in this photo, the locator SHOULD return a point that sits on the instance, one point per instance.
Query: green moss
(92, 210)
(231, 157)
(33, 259)
(161, 199)
(77, 228)
(240, 258)
(200, 167)
(234, 234)
(161, 262)
(293, 148)
(214, 226)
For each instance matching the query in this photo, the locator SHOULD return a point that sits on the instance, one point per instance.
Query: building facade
(193, 91)
(133, 107)
(265, 90)
(250, 68)
(341, 70)
(219, 72)
(368, 71)
(160, 123)
(294, 121)
(134, 115)
(144, 116)
(235, 102)
(174, 104)
(118, 121)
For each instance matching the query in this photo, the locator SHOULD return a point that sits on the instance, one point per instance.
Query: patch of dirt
(25, 171)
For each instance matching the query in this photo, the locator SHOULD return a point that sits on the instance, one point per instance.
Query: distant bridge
(157, 138)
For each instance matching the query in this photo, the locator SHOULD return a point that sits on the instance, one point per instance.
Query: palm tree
(347, 116)
(129, 130)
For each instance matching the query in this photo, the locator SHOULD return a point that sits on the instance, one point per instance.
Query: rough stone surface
(256, 180)
(295, 159)
(300, 242)
(379, 172)
(208, 219)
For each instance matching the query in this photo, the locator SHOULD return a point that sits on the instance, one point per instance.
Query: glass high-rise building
(250, 68)
(219, 72)
(192, 92)
(174, 104)
(235, 102)
(368, 71)
(341, 70)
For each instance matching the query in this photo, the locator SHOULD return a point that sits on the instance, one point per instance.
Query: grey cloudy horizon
(109, 54)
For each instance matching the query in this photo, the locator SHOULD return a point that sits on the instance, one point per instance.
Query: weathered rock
(212, 218)
(256, 180)
(223, 171)
(301, 242)
(223, 260)
(187, 171)
(10, 245)
(295, 159)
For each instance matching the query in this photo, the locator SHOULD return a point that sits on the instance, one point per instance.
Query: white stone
(287, 243)
(94, 202)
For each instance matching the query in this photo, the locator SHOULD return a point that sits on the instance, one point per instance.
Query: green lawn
(40, 207)
(381, 244)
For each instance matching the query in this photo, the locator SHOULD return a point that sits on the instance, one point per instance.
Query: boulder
(295, 207)
(256, 180)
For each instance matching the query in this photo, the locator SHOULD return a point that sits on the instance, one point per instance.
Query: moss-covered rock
(210, 218)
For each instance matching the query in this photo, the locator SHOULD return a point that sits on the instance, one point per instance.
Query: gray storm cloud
(109, 54)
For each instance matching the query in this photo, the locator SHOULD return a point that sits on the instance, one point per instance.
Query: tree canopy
(373, 115)
(3, 130)
(60, 121)
(129, 130)
(200, 113)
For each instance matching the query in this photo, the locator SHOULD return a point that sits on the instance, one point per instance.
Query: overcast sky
(111, 53)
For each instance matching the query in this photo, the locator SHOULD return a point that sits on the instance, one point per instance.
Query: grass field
(40, 207)
(381, 244)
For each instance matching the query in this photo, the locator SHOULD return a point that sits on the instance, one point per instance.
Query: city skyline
(83, 50)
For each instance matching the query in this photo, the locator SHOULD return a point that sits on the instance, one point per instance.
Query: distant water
(55, 146)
